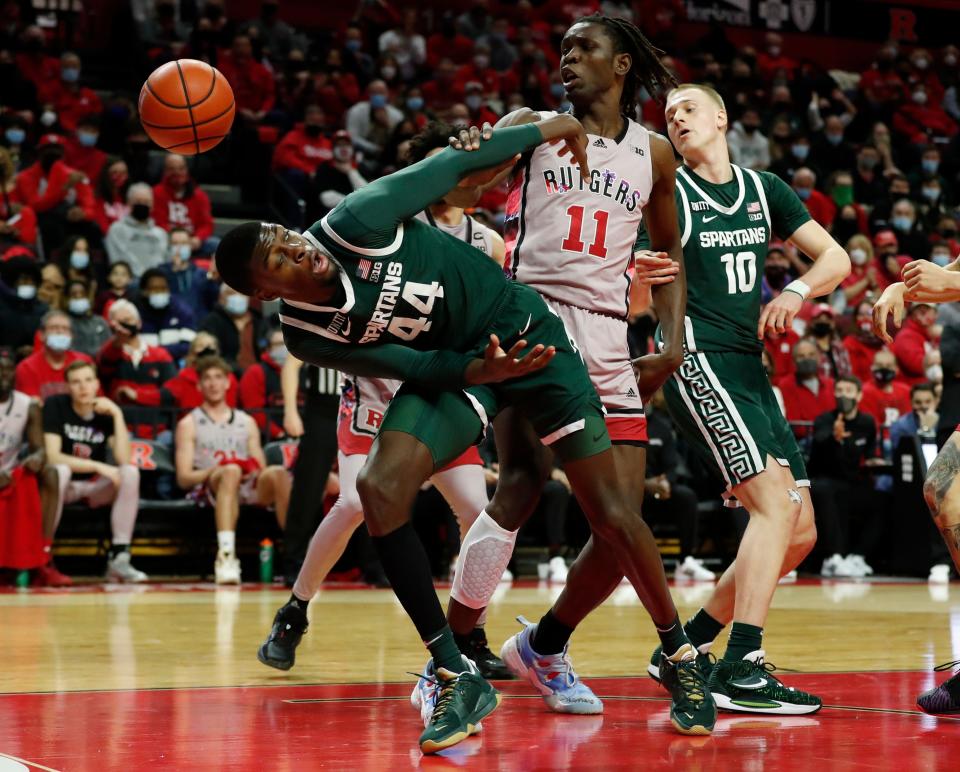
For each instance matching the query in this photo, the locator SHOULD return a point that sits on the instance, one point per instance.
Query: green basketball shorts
(559, 400)
(724, 406)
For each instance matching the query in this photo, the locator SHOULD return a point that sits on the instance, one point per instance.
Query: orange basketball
(186, 106)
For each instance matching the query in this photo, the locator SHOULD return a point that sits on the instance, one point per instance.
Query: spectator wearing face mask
(236, 326)
(405, 44)
(861, 343)
(920, 419)
(830, 146)
(35, 64)
(179, 202)
(503, 53)
(71, 100)
(881, 85)
(946, 230)
(260, 387)
(370, 122)
(868, 181)
(850, 217)
(136, 239)
(166, 321)
(81, 150)
(442, 91)
(914, 344)
(772, 60)
(20, 308)
(252, 83)
(910, 238)
(940, 254)
(15, 141)
(749, 147)
(888, 255)
(921, 120)
(40, 375)
(76, 263)
(18, 223)
(798, 158)
(806, 393)
(111, 193)
(866, 279)
(777, 272)
(923, 72)
(834, 360)
(931, 205)
(302, 151)
(447, 43)
(90, 331)
(339, 178)
(884, 398)
(927, 170)
(190, 285)
(476, 103)
(479, 70)
(356, 60)
(821, 208)
(185, 385)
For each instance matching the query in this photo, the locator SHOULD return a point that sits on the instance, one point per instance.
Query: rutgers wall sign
(935, 22)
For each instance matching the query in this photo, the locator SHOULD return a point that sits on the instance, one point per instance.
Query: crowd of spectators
(106, 244)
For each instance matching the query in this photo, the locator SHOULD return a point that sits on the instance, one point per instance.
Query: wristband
(798, 288)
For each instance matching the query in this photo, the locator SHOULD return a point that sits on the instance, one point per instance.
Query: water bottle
(22, 579)
(266, 561)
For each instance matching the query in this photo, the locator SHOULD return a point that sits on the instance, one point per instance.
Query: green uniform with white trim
(417, 304)
(720, 397)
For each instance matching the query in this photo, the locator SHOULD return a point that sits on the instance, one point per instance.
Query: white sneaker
(835, 565)
(691, 568)
(507, 576)
(557, 570)
(226, 569)
(788, 578)
(858, 566)
(939, 574)
(119, 569)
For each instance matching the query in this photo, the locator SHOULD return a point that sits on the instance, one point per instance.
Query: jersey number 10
(573, 243)
(741, 271)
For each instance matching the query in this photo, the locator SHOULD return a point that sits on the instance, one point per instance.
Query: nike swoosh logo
(598, 437)
(760, 683)
(527, 325)
(711, 217)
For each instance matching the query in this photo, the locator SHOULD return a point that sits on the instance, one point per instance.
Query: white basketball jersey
(216, 442)
(13, 424)
(469, 230)
(572, 240)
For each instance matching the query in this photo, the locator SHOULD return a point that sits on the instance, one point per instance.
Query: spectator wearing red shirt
(881, 84)
(335, 88)
(867, 277)
(36, 65)
(922, 71)
(447, 43)
(479, 112)
(184, 387)
(806, 393)
(480, 71)
(914, 342)
(780, 351)
(252, 83)
(81, 150)
(303, 149)
(110, 201)
(133, 372)
(71, 100)
(834, 361)
(921, 120)
(178, 202)
(260, 386)
(884, 398)
(442, 91)
(41, 374)
(821, 208)
(772, 59)
(861, 344)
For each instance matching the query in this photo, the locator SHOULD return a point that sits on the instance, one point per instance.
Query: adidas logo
(631, 392)
(600, 143)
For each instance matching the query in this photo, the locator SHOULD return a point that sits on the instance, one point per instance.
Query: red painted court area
(871, 723)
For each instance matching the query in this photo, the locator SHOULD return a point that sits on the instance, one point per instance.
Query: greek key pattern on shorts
(721, 430)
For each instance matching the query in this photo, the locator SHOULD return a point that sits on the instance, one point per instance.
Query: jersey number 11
(573, 243)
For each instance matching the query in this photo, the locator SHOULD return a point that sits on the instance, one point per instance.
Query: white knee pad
(484, 555)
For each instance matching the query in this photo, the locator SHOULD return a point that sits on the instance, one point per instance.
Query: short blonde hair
(861, 241)
(708, 90)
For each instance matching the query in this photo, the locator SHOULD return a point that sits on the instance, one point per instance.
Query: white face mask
(343, 154)
(920, 97)
(858, 256)
(934, 373)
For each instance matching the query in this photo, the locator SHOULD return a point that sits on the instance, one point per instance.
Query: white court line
(28, 763)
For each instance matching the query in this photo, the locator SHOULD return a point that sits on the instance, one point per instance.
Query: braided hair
(646, 69)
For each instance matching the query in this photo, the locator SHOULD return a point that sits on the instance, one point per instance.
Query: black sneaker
(280, 648)
(692, 710)
(474, 646)
(942, 700)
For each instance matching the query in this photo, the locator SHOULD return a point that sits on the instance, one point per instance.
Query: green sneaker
(692, 711)
(749, 686)
(464, 699)
(705, 662)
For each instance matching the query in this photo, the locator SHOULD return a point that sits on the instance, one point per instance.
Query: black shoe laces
(947, 666)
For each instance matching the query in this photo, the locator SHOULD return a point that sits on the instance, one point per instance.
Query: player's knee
(617, 522)
(804, 540)
(381, 497)
(228, 475)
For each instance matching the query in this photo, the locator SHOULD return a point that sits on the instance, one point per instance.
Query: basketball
(186, 106)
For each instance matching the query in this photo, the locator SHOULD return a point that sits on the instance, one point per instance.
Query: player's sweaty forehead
(680, 96)
(269, 234)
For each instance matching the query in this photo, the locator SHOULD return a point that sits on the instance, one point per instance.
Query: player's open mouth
(569, 76)
(682, 133)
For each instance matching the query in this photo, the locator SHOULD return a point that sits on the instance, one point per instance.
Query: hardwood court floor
(165, 677)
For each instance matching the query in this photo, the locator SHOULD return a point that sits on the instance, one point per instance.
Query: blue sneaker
(552, 675)
(426, 691)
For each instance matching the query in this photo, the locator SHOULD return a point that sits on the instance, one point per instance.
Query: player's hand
(927, 281)
(652, 371)
(840, 432)
(5, 479)
(470, 138)
(292, 423)
(778, 314)
(658, 487)
(104, 406)
(890, 301)
(498, 365)
(653, 268)
(567, 129)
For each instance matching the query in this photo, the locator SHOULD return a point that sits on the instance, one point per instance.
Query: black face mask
(775, 275)
(822, 329)
(846, 404)
(844, 228)
(131, 327)
(807, 368)
(312, 131)
(884, 375)
(948, 233)
(206, 352)
(750, 128)
(48, 159)
(140, 212)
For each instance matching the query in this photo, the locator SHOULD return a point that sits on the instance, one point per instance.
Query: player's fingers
(880, 312)
(580, 153)
(531, 357)
(656, 281)
(475, 137)
(516, 348)
(541, 360)
(762, 324)
(464, 137)
(654, 259)
(487, 130)
(493, 346)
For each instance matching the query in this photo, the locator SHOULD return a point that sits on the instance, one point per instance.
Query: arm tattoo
(951, 535)
(941, 475)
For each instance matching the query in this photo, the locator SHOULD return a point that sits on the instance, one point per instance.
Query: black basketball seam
(188, 125)
(164, 102)
(186, 95)
(213, 82)
(192, 142)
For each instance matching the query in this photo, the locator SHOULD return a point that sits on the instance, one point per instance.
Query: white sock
(227, 541)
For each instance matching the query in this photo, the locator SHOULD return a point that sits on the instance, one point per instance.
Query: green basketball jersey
(725, 231)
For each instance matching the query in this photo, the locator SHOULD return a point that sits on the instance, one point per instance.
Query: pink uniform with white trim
(572, 241)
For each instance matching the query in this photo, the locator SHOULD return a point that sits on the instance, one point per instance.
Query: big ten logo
(374, 418)
(288, 453)
(141, 455)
